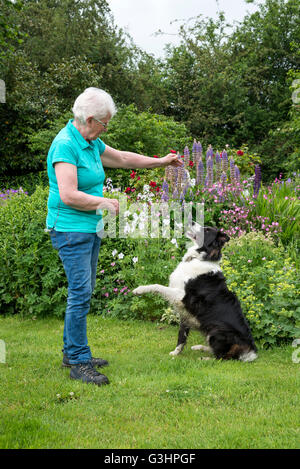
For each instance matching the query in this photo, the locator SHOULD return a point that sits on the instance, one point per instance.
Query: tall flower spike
(232, 172)
(210, 171)
(224, 161)
(223, 179)
(194, 151)
(257, 180)
(186, 153)
(237, 175)
(198, 154)
(200, 172)
(209, 152)
(218, 166)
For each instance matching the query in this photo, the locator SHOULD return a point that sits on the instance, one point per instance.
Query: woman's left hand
(171, 159)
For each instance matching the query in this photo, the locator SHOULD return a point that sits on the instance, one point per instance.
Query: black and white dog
(198, 291)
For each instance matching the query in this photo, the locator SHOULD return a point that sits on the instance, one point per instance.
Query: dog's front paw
(139, 290)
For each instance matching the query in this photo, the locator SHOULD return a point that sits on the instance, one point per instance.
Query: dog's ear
(222, 238)
(210, 234)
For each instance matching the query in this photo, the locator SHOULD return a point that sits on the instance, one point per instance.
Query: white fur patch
(203, 348)
(187, 270)
(248, 356)
(177, 350)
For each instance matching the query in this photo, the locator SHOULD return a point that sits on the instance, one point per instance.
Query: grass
(154, 401)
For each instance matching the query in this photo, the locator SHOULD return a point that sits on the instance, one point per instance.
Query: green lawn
(154, 401)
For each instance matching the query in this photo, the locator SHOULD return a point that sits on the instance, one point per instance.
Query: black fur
(220, 316)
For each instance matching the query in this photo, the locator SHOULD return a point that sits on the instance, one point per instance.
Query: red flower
(128, 189)
(240, 152)
(157, 189)
(191, 164)
(132, 175)
(152, 184)
(173, 151)
(182, 156)
(138, 178)
(155, 156)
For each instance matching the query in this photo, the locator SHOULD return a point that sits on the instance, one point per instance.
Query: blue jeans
(79, 254)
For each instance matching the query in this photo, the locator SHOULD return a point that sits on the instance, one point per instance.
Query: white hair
(93, 102)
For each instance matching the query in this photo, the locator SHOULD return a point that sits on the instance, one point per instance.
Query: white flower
(135, 259)
(121, 255)
(114, 252)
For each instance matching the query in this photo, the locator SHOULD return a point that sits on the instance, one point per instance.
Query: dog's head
(208, 242)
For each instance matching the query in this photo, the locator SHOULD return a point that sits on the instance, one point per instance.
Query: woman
(75, 169)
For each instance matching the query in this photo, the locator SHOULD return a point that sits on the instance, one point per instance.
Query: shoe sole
(90, 382)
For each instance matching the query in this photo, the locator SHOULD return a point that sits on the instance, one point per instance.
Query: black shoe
(99, 362)
(87, 374)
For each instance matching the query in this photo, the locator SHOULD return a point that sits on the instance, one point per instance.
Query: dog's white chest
(191, 269)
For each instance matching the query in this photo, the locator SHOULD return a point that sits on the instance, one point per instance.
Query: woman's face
(95, 127)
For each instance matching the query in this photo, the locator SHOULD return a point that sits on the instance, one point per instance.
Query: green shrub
(279, 205)
(32, 280)
(266, 282)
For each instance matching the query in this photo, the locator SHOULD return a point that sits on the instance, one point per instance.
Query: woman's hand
(112, 205)
(171, 159)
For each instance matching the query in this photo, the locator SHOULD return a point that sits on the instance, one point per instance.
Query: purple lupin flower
(257, 180)
(165, 191)
(224, 161)
(218, 166)
(194, 151)
(232, 173)
(210, 171)
(186, 153)
(200, 172)
(175, 194)
(237, 175)
(209, 152)
(223, 179)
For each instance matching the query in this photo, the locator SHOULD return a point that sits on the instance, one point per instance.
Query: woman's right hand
(112, 205)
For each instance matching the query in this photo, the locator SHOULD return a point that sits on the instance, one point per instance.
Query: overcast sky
(142, 18)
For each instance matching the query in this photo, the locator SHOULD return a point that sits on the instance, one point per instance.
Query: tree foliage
(228, 85)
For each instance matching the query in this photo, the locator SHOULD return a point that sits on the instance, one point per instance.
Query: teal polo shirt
(70, 147)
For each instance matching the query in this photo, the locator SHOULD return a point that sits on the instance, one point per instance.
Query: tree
(229, 85)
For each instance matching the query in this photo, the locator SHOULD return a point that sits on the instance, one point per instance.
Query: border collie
(198, 292)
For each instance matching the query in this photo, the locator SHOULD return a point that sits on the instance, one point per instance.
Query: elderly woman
(75, 168)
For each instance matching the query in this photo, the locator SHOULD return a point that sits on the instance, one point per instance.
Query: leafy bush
(144, 133)
(266, 282)
(32, 280)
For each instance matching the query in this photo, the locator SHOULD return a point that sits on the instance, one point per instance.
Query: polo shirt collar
(75, 133)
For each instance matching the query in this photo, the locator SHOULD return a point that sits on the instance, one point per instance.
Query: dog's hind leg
(173, 295)
(203, 348)
(182, 338)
